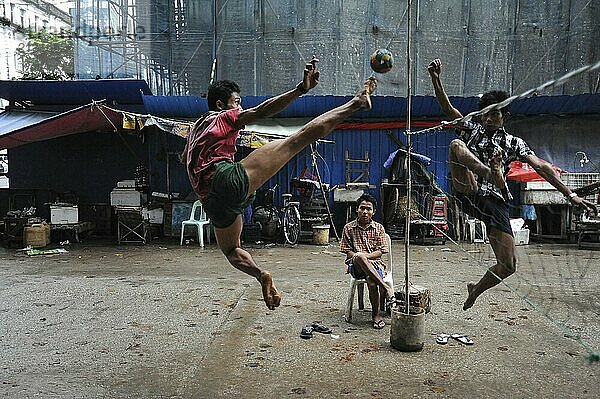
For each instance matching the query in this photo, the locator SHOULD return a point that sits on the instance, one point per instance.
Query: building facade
(16, 18)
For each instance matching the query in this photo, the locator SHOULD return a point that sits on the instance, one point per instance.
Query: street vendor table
(13, 230)
(76, 229)
(588, 233)
(131, 225)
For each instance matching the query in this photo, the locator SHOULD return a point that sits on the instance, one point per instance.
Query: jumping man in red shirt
(226, 187)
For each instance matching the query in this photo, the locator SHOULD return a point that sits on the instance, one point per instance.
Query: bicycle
(277, 222)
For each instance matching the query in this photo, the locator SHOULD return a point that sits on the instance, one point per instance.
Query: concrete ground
(164, 321)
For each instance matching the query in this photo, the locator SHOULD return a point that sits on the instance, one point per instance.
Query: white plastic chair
(358, 283)
(199, 223)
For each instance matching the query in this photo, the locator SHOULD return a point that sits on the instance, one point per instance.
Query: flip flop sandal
(306, 332)
(378, 325)
(320, 328)
(463, 339)
(442, 339)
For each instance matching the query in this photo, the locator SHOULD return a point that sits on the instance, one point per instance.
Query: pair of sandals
(379, 324)
(442, 339)
(307, 330)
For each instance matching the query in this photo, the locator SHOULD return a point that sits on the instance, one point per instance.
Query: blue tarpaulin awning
(15, 120)
(384, 107)
(74, 92)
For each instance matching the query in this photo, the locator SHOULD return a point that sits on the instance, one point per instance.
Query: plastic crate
(576, 180)
(521, 236)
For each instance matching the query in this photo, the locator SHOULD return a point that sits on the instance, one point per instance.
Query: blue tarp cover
(15, 120)
(74, 92)
(383, 106)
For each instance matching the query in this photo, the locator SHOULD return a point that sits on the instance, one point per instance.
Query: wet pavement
(165, 321)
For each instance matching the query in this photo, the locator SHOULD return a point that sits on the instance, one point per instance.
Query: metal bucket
(321, 234)
(407, 330)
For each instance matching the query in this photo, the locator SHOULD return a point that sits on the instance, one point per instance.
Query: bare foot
(470, 299)
(364, 94)
(496, 175)
(271, 296)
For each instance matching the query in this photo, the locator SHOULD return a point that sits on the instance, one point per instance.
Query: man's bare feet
(271, 296)
(496, 175)
(470, 299)
(364, 94)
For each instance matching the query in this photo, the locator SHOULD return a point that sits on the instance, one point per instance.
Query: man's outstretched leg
(228, 240)
(264, 162)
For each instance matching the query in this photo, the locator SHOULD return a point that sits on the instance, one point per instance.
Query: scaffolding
(178, 46)
(167, 43)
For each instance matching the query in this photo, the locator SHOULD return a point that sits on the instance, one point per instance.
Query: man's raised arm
(276, 104)
(435, 70)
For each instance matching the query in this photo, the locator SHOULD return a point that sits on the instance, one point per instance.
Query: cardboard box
(36, 235)
(127, 197)
(64, 214)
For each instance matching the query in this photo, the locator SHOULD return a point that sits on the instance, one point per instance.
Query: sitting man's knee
(362, 257)
(456, 145)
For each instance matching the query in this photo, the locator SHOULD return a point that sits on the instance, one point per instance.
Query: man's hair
(220, 90)
(493, 97)
(368, 198)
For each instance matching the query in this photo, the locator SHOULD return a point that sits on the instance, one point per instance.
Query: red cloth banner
(523, 172)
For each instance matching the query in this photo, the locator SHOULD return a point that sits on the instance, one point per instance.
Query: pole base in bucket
(406, 331)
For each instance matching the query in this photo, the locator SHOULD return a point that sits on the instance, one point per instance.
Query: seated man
(363, 242)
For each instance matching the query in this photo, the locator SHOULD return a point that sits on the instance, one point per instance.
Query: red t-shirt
(211, 140)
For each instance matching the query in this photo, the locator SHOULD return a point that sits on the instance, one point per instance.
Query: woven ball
(382, 60)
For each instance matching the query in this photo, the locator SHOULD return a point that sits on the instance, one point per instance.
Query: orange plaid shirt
(368, 239)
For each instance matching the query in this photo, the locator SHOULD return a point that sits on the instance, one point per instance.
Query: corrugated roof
(383, 106)
(74, 92)
(15, 120)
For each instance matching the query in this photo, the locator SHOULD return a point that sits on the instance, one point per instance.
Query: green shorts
(228, 196)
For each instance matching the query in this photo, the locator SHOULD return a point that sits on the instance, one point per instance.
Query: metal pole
(408, 168)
